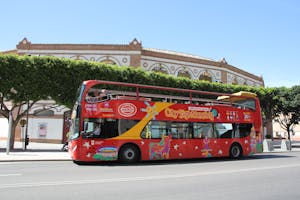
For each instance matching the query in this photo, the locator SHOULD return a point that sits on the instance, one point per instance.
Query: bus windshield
(75, 121)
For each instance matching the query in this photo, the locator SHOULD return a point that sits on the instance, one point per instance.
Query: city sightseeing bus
(132, 122)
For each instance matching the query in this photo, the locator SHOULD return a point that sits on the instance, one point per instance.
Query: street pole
(23, 137)
(26, 131)
(10, 120)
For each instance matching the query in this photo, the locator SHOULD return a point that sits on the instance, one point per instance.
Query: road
(265, 176)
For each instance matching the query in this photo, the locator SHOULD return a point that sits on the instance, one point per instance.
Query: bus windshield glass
(74, 129)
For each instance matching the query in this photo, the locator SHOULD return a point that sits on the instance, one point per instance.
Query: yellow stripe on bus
(135, 132)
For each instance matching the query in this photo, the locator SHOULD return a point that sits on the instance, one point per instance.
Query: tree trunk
(289, 136)
(12, 136)
(269, 126)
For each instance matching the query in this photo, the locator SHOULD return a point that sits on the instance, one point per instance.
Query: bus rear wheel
(236, 151)
(129, 154)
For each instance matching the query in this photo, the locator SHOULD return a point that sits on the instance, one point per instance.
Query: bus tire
(129, 153)
(236, 151)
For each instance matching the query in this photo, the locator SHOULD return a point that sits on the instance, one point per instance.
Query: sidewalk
(34, 152)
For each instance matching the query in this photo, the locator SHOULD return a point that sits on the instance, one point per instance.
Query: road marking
(141, 178)
(3, 175)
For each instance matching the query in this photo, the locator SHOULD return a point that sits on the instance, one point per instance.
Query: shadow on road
(186, 161)
(269, 156)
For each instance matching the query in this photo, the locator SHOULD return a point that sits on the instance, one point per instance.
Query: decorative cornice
(27, 45)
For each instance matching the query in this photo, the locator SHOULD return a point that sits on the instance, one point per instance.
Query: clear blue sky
(259, 36)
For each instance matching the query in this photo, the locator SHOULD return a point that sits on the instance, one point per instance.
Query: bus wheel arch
(129, 153)
(236, 151)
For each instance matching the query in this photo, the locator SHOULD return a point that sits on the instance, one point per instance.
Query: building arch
(206, 75)
(43, 112)
(234, 81)
(79, 57)
(161, 68)
(184, 72)
(240, 80)
(250, 83)
(108, 60)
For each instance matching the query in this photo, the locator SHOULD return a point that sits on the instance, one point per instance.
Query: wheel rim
(129, 154)
(235, 151)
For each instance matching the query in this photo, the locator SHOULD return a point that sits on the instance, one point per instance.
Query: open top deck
(130, 91)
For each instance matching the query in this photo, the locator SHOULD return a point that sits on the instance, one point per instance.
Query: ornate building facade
(149, 59)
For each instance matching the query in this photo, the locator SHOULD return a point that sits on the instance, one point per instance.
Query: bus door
(167, 140)
(181, 134)
(205, 142)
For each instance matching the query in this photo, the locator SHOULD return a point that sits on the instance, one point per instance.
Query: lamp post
(26, 131)
(23, 134)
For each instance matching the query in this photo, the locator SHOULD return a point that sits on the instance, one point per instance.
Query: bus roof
(220, 96)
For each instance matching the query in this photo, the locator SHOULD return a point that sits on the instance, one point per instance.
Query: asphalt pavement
(267, 176)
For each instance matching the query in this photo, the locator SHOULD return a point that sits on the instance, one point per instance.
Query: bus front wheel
(236, 151)
(129, 154)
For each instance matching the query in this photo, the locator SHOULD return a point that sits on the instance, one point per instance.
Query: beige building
(149, 59)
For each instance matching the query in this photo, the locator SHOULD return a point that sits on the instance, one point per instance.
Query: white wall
(3, 127)
(277, 130)
(53, 128)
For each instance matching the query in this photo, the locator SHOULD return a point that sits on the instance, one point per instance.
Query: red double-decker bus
(133, 122)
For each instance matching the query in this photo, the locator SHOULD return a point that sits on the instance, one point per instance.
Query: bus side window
(224, 130)
(204, 130)
(146, 133)
(245, 129)
(125, 125)
(154, 130)
(179, 130)
(236, 132)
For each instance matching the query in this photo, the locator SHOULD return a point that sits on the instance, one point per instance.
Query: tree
(30, 79)
(17, 114)
(288, 108)
(20, 89)
(269, 99)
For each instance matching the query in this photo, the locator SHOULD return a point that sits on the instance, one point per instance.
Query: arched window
(42, 112)
(160, 69)
(79, 57)
(108, 61)
(234, 82)
(184, 73)
(205, 76)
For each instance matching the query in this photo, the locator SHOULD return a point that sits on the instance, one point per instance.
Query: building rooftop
(177, 53)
